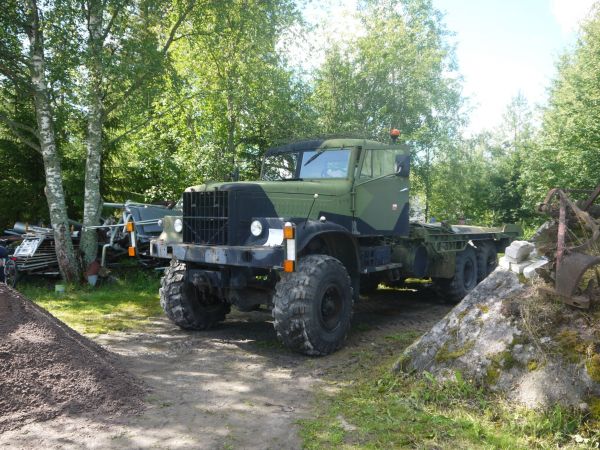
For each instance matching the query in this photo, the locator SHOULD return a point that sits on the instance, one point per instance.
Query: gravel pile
(47, 369)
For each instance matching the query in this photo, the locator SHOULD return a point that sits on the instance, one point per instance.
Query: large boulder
(511, 339)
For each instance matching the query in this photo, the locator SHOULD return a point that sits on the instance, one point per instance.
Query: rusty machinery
(571, 240)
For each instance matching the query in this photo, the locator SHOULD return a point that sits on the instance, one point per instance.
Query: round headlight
(178, 225)
(256, 228)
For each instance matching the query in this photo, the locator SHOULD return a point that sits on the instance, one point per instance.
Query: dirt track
(232, 387)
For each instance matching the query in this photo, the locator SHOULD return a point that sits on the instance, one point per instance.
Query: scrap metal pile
(33, 251)
(571, 241)
(34, 254)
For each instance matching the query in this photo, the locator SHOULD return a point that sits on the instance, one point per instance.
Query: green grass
(125, 304)
(387, 411)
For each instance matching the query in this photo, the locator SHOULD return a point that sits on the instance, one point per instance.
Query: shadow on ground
(234, 386)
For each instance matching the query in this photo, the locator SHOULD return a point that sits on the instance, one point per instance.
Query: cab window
(378, 163)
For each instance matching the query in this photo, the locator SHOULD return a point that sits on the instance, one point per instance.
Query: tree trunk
(92, 205)
(67, 260)
(231, 122)
(427, 182)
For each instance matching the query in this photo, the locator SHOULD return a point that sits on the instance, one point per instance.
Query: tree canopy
(163, 95)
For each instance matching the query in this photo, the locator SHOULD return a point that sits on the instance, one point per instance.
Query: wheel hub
(469, 274)
(331, 307)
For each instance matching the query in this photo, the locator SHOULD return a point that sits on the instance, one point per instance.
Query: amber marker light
(130, 227)
(288, 265)
(131, 251)
(289, 231)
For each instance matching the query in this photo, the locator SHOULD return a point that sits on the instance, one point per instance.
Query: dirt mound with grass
(48, 369)
(512, 339)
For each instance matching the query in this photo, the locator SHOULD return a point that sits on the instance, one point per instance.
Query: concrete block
(519, 267)
(504, 263)
(529, 271)
(519, 250)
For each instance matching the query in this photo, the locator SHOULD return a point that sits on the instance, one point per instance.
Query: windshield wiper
(292, 179)
(313, 157)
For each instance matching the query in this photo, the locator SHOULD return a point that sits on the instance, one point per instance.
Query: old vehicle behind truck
(328, 219)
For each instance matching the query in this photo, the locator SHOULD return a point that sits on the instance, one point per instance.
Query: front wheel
(312, 307)
(185, 304)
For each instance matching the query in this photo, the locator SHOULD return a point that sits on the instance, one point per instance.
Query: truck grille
(206, 217)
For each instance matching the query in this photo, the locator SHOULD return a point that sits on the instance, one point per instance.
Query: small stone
(545, 340)
(584, 407)
(530, 271)
(519, 250)
(517, 348)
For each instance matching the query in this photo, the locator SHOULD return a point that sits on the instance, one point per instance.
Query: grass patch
(125, 304)
(380, 410)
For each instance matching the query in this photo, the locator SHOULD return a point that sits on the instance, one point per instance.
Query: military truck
(327, 219)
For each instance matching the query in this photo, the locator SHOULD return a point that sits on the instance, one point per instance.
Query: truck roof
(313, 144)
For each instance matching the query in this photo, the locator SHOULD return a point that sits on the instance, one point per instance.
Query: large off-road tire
(312, 307)
(487, 259)
(185, 305)
(464, 279)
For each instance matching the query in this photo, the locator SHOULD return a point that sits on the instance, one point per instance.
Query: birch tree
(28, 71)
(123, 39)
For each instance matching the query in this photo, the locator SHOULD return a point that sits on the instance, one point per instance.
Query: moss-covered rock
(507, 338)
(445, 353)
(593, 367)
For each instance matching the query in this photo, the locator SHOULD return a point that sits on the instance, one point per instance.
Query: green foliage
(569, 143)
(21, 185)
(399, 74)
(481, 180)
(185, 102)
(228, 98)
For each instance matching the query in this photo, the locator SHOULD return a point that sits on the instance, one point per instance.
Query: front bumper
(241, 256)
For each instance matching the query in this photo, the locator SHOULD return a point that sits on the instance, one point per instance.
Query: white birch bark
(67, 259)
(92, 205)
(231, 122)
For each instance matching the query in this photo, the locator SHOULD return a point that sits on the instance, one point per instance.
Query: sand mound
(47, 369)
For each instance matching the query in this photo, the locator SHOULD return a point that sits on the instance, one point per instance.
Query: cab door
(381, 187)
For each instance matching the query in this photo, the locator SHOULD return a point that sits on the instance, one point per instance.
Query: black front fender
(339, 242)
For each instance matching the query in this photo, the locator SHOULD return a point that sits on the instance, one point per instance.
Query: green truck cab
(328, 219)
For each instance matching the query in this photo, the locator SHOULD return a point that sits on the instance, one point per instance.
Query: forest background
(109, 100)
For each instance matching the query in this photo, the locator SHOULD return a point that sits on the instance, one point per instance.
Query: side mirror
(402, 165)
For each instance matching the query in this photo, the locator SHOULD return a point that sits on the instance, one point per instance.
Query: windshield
(311, 164)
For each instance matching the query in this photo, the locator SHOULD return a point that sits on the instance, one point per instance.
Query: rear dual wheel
(487, 259)
(465, 277)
